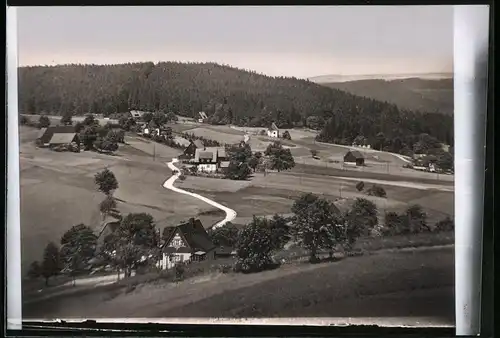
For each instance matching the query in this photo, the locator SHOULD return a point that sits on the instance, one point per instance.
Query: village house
(190, 150)
(187, 242)
(354, 157)
(210, 159)
(273, 131)
(63, 135)
(202, 117)
(136, 114)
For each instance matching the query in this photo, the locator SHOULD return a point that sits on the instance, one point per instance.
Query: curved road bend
(169, 184)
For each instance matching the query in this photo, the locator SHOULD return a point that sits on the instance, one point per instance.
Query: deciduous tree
(108, 207)
(135, 242)
(282, 159)
(43, 121)
(51, 264)
(254, 247)
(317, 224)
(238, 170)
(362, 217)
(67, 119)
(35, 270)
(78, 247)
(226, 236)
(106, 181)
(280, 231)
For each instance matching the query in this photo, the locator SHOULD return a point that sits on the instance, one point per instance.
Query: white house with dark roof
(210, 159)
(184, 243)
(273, 131)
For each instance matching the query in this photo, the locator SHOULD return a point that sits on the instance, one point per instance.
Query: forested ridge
(435, 96)
(227, 95)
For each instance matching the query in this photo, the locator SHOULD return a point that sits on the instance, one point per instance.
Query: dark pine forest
(227, 95)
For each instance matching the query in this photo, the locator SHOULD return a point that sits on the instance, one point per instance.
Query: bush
(394, 224)
(446, 224)
(360, 186)
(286, 135)
(180, 268)
(24, 121)
(182, 177)
(225, 268)
(377, 191)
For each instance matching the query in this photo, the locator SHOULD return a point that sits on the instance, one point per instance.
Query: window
(177, 242)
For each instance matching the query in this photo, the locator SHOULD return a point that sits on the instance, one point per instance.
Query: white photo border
(471, 37)
(471, 31)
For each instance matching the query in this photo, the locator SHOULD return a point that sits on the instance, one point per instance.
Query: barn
(354, 156)
(46, 134)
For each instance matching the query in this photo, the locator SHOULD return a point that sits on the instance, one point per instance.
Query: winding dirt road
(169, 184)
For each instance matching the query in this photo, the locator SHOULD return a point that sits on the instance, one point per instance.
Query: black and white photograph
(237, 162)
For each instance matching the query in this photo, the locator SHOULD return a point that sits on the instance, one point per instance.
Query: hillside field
(63, 183)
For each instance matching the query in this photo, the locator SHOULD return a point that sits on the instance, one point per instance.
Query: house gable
(187, 237)
(178, 241)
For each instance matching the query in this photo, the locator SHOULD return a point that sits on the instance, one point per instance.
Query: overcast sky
(280, 41)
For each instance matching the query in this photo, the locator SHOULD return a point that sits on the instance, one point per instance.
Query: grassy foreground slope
(416, 283)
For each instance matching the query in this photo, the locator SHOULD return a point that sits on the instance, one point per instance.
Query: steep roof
(273, 126)
(193, 233)
(206, 154)
(41, 132)
(47, 134)
(136, 113)
(198, 143)
(209, 153)
(356, 154)
(203, 115)
(62, 138)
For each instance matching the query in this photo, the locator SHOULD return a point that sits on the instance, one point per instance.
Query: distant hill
(345, 78)
(226, 94)
(412, 93)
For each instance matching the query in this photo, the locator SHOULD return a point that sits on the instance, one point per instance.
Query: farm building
(224, 252)
(45, 136)
(187, 242)
(273, 131)
(59, 139)
(210, 159)
(354, 156)
(190, 150)
(136, 114)
(202, 117)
